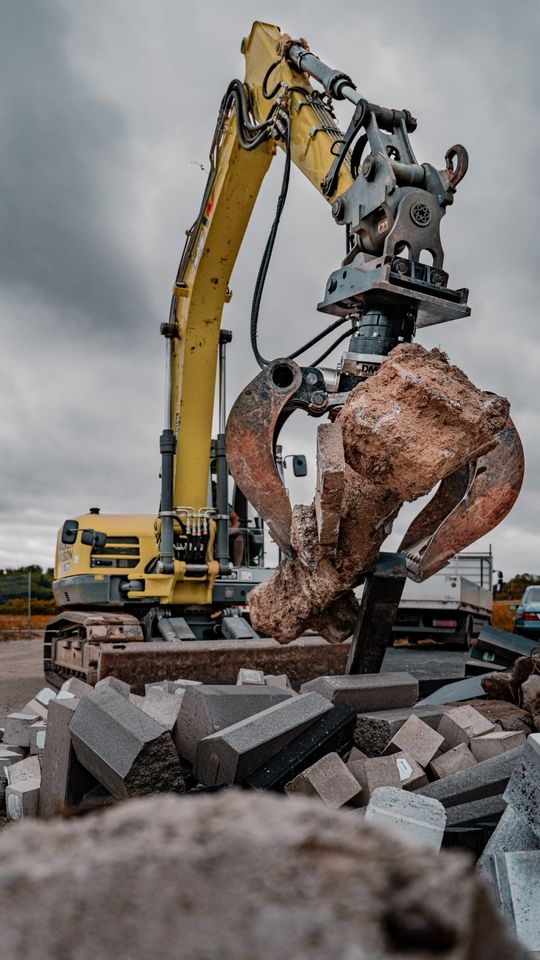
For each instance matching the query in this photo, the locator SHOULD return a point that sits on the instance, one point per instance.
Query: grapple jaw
(468, 503)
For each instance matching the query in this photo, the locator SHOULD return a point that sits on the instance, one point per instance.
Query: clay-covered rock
(415, 422)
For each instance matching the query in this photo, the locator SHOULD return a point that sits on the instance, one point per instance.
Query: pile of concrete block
(439, 775)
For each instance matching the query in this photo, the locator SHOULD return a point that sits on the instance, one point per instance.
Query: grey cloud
(104, 106)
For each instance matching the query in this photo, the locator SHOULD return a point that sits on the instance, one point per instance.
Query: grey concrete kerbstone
(280, 680)
(475, 811)
(64, 781)
(17, 728)
(9, 755)
(523, 790)
(330, 781)
(121, 687)
(23, 771)
(172, 686)
(7, 758)
(375, 772)
(39, 704)
(454, 760)
(76, 687)
(375, 728)
(127, 751)
(490, 744)
(418, 819)
(230, 755)
(367, 691)
(411, 774)
(518, 881)
(261, 877)
(461, 724)
(206, 709)
(162, 707)
(38, 733)
(511, 833)
(417, 739)
(22, 800)
(247, 677)
(486, 779)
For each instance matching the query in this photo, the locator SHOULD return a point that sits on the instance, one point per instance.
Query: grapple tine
(490, 494)
(250, 441)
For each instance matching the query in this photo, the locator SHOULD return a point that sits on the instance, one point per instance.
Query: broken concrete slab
(330, 781)
(312, 884)
(523, 790)
(247, 677)
(206, 709)
(331, 733)
(375, 729)
(126, 751)
(418, 819)
(22, 800)
(9, 755)
(113, 683)
(38, 733)
(375, 772)
(17, 728)
(511, 833)
(461, 724)
(454, 760)
(27, 769)
(367, 691)
(230, 755)
(64, 781)
(162, 707)
(417, 739)
(171, 686)
(490, 744)
(486, 779)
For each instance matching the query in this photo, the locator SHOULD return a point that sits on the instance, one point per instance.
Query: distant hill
(14, 590)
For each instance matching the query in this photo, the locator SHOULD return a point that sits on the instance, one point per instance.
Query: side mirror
(513, 606)
(299, 465)
(93, 538)
(69, 531)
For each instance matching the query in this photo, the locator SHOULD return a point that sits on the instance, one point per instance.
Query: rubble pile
(369, 462)
(453, 775)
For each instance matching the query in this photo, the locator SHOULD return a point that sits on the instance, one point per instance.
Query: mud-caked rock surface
(416, 421)
(235, 876)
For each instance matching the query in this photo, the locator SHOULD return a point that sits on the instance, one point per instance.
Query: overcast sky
(107, 108)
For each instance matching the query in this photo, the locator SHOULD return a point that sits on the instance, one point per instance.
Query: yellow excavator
(147, 596)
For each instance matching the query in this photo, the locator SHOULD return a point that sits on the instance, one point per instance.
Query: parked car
(527, 618)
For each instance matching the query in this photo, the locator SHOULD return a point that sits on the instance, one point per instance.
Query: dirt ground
(21, 672)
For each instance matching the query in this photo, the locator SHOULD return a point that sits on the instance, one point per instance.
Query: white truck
(453, 605)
